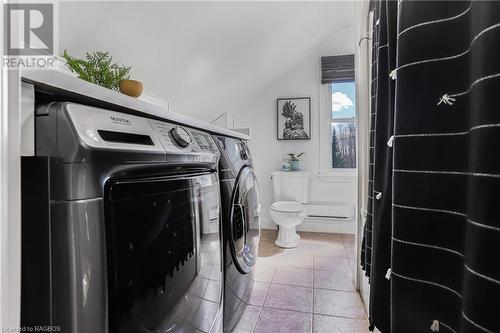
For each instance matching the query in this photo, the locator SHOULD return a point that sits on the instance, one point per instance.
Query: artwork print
(294, 118)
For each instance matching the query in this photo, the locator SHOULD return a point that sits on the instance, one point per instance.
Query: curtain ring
(361, 39)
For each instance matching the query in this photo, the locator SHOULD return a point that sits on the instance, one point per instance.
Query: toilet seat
(288, 207)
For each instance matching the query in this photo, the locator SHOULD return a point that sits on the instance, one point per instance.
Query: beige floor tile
(338, 303)
(350, 251)
(268, 235)
(267, 243)
(289, 298)
(264, 272)
(335, 280)
(257, 293)
(268, 249)
(321, 247)
(282, 321)
(331, 263)
(296, 260)
(347, 239)
(290, 295)
(328, 324)
(352, 263)
(289, 258)
(322, 236)
(294, 276)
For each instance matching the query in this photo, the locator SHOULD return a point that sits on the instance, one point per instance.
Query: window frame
(327, 172)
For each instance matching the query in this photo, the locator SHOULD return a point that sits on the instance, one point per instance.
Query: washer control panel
(179, 138)
(105, 129)
(204, 141)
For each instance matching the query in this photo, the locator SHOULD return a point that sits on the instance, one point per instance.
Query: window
(338, 121)
(343, 125)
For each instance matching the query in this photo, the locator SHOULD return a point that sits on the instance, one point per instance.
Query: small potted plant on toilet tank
(295, 161)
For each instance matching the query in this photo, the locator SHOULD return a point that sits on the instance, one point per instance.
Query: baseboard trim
(338, 226)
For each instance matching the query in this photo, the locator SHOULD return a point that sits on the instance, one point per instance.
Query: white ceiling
(201, 54)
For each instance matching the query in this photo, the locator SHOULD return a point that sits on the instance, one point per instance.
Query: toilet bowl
(287, 215)
(290, 190)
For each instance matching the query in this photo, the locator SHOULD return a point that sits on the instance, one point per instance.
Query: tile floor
(306, 289)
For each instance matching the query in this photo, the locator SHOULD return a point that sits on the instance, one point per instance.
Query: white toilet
(291, 190)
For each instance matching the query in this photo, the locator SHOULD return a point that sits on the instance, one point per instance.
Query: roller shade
(337, 68)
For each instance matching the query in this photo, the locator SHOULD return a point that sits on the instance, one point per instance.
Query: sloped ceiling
(203, 56)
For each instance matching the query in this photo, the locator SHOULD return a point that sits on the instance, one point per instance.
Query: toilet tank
(291, 186)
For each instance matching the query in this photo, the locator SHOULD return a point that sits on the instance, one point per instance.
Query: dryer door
(245, 220)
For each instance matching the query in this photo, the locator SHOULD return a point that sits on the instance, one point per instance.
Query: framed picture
(294, 118)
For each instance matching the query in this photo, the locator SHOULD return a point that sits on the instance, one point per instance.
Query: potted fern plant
(98, 68)
(295, 161)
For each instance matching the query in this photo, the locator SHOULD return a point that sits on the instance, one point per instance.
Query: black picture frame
(290, 128)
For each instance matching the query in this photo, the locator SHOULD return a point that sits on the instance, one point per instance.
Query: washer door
(245, 220)
(163, 243)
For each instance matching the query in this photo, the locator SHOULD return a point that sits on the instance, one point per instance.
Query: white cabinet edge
(63, 81)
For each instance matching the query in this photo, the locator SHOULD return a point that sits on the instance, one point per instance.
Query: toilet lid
(288, 206)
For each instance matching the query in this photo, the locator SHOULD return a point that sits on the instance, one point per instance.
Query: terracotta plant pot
(131, 88)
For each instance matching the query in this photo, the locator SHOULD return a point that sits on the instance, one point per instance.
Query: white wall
(259, 113)
(204, 56)
(235, 57)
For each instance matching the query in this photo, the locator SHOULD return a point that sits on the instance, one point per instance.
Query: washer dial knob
(180, 136)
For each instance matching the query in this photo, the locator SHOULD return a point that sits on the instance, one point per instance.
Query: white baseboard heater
(328, 217)
(330, 210)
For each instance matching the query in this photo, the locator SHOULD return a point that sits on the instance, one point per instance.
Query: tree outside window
(343, 125)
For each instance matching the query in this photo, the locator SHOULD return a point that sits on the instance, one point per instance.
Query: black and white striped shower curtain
(377, 258)
(436, 168)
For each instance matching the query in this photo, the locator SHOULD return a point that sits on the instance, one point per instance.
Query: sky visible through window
(343, 100)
